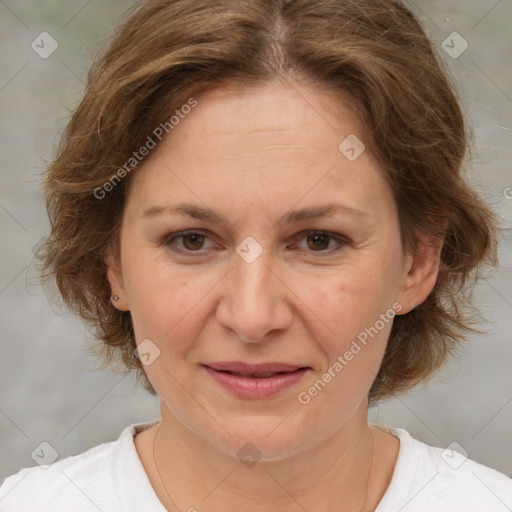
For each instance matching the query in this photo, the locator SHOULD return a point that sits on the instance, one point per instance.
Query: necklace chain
(369, 473)
(158, 471)
(174, 504)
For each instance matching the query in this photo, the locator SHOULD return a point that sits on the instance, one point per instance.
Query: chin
(263, 449)
(265, 438)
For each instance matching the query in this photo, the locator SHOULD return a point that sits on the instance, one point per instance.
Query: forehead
(293, 111)
(276, 142)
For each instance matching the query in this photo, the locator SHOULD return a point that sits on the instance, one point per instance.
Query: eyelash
(167, 241)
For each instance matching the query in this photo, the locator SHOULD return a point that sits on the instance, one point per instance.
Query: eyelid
(336, 236)
(167, 240)
(341, 240)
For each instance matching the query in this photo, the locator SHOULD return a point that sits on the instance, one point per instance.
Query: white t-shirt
(110, 478)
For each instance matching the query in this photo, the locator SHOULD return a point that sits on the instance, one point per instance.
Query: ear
(420, 275)
(115, 278)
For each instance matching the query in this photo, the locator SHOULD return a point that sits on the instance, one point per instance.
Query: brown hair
(167, 51)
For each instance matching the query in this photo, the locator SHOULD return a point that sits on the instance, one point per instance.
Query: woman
(259, 208)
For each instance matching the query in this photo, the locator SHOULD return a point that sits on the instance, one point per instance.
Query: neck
(334, 475)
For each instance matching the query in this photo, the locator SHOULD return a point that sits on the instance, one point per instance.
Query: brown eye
(190, 243)
(318, 241)
(322, 242)
(193, 241)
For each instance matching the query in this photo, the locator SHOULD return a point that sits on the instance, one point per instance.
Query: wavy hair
(167, 51)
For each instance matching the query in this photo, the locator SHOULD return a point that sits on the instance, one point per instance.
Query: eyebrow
(293, 217)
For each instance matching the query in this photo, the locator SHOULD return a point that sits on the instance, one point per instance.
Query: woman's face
(275, 281)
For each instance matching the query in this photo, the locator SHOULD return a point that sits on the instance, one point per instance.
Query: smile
(253, 382)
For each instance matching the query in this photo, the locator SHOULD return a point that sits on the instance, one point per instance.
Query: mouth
(255, 381)
(254, 375)
(254, 370)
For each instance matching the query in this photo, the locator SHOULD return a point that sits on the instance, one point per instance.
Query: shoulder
(71, 479)
(437, 479)
(84, 482)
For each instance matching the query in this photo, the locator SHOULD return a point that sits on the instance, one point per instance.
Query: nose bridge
(252, 271)
(253, 305)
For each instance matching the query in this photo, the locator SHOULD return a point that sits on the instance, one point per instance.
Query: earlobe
(421, 273)
(115, 279)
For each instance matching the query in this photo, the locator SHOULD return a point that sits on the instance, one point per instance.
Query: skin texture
(252, 156)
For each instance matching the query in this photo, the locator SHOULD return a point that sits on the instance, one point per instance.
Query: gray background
(49, 389)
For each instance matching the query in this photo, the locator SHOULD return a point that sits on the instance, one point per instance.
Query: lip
(246, 368)
(243, 385)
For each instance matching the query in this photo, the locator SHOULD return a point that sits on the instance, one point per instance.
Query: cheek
(169, 310)
(164, 302)
(345, 303)
(170, 316)
(350, 324)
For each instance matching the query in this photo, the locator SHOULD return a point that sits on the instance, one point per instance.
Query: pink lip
(250, 387)
(240, 367)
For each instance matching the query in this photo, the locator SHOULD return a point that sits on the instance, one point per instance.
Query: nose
(255, 300)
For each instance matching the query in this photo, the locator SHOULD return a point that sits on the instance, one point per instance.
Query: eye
(192, 241)
(319, 241)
